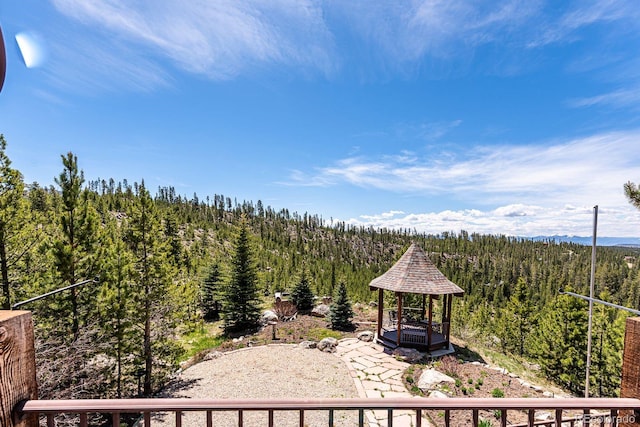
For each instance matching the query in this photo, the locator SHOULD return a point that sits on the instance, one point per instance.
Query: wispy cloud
(619, 99)
(580, 171)
(584, 14)
(217, 39)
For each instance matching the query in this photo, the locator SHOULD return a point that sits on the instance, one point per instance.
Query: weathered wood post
(17, 367)
(630, 385)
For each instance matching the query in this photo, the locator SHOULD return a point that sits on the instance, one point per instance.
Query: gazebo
(412, 327)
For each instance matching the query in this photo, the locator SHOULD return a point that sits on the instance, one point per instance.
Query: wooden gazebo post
(380, 310)
(399, 334)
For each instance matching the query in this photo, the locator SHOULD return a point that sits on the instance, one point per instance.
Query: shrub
(449, 365)
(496, 392)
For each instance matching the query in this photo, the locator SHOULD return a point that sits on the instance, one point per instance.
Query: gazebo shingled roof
(415, 273)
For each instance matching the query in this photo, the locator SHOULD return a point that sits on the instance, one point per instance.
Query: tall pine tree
(151, 276)
(241, 303)
(210, 295)
(16, 231)
(75, 253)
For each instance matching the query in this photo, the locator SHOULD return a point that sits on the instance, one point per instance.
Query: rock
(543, 416)
(430, 379)
(321, 310)
(476, 363)
(537, 388)
(237, 340)
(366, 336)
(373, 304)
(328, 345)
(213, 355)
(268, 316)
(548, 394)
(308, 344)
(410, 355)
(437, 394)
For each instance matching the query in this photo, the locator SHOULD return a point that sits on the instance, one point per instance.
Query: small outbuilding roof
(415, 273)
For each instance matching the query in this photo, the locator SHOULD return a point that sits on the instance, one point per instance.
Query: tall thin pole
(591, 292)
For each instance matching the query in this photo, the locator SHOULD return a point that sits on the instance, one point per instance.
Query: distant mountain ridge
(586, 240)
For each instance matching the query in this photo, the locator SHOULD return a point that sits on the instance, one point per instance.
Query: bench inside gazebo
(414, 273)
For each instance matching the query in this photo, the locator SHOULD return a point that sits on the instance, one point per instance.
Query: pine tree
(560, 343)
(16, 232)
(75, 253)
(211, 289)
(116, 308)
(341, 313)
(517, 320)
(241, 303)
(151, 275)
(301, 295)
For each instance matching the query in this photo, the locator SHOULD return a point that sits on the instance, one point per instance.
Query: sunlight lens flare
(31, 48)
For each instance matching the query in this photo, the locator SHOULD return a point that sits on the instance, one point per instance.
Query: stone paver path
(377, 374)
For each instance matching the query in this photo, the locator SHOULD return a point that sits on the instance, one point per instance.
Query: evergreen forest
(152, 251)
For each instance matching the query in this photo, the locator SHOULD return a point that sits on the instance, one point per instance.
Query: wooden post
(430, 325)
(399, 294)
(630, 385)
(17, 367)
(380, 312)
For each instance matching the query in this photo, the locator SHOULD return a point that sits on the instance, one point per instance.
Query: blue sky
(494, 117)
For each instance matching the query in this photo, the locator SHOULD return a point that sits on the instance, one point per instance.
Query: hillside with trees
(164, 262)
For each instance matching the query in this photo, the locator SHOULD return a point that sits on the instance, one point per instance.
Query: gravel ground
(272, 371)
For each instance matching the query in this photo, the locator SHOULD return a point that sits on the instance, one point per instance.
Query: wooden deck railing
(19, 406)
(620, 411)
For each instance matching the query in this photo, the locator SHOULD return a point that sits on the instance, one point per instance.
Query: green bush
(496, 392)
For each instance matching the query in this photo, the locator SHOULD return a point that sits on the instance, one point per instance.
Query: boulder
(430, 379)
(366, 336)
(328, 345)
(410, 355)
(308, 344)
(321, 310)
(437, 394)
(268, 316)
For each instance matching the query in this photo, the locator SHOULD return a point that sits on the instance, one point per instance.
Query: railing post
(630, 385)
(17, 367)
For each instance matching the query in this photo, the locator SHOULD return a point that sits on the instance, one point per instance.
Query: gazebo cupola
(414, 273)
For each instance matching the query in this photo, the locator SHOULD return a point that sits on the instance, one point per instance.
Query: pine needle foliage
(302, 296)
(241, 303)
(341, 312)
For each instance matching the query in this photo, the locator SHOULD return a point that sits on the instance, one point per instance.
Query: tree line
(154, 254)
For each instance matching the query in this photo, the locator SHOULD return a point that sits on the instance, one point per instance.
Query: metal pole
(599, 301)
(591, 292)
(39, 297)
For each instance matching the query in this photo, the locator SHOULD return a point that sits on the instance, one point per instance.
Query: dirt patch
(474, 379)
(305, 328)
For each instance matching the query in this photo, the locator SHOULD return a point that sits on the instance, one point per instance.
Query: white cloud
(539, 221)
(583, 171)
